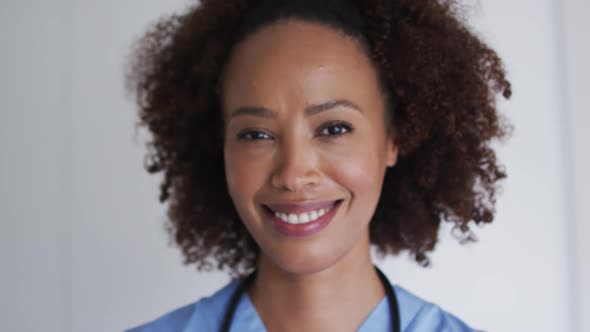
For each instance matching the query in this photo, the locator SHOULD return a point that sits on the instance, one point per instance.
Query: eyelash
(243, 136)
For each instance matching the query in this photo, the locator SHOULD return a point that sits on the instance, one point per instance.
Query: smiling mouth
(301, 219)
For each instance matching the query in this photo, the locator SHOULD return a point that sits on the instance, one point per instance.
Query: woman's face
(305, 146)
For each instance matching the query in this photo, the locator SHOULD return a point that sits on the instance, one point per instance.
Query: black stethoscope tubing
(233, 303)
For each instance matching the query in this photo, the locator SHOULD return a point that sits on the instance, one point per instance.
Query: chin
(304, 260)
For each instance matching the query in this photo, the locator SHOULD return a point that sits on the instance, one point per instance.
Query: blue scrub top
(207, 314)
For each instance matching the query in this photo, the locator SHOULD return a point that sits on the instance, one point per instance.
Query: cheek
(358, 170)
(244, 176)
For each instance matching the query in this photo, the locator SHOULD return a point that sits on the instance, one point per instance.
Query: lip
(302, 230)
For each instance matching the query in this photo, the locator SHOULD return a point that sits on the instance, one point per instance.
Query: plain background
(82, 244)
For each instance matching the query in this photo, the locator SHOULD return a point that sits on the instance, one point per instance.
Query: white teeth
(302, 218)
(313, 215)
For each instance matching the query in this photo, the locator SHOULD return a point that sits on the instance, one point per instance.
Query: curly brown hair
(444, 81)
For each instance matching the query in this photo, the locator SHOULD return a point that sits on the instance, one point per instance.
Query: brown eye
(336, 128)
(253, 135)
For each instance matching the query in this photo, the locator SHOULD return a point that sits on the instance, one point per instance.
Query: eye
(252, 135)
(335, 128)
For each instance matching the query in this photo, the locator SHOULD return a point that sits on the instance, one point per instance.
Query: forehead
(294, 59)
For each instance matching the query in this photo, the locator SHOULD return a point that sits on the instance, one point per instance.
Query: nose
(296, 169)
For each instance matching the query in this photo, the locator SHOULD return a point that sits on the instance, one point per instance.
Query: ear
(392, 151)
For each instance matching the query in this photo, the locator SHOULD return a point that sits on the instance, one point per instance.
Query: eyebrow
(310, 110)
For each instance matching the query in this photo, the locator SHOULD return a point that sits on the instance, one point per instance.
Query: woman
(295, 134)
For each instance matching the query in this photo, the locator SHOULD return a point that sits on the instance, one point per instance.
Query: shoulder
(417, 314)
(203, 315)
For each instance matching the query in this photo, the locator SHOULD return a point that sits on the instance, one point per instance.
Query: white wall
(35, 161)
(575, 57)
(82, 243)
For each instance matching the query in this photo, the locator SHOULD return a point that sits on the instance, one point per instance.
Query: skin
(326, 281)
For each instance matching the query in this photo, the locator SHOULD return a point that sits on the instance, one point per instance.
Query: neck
(338, 298)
